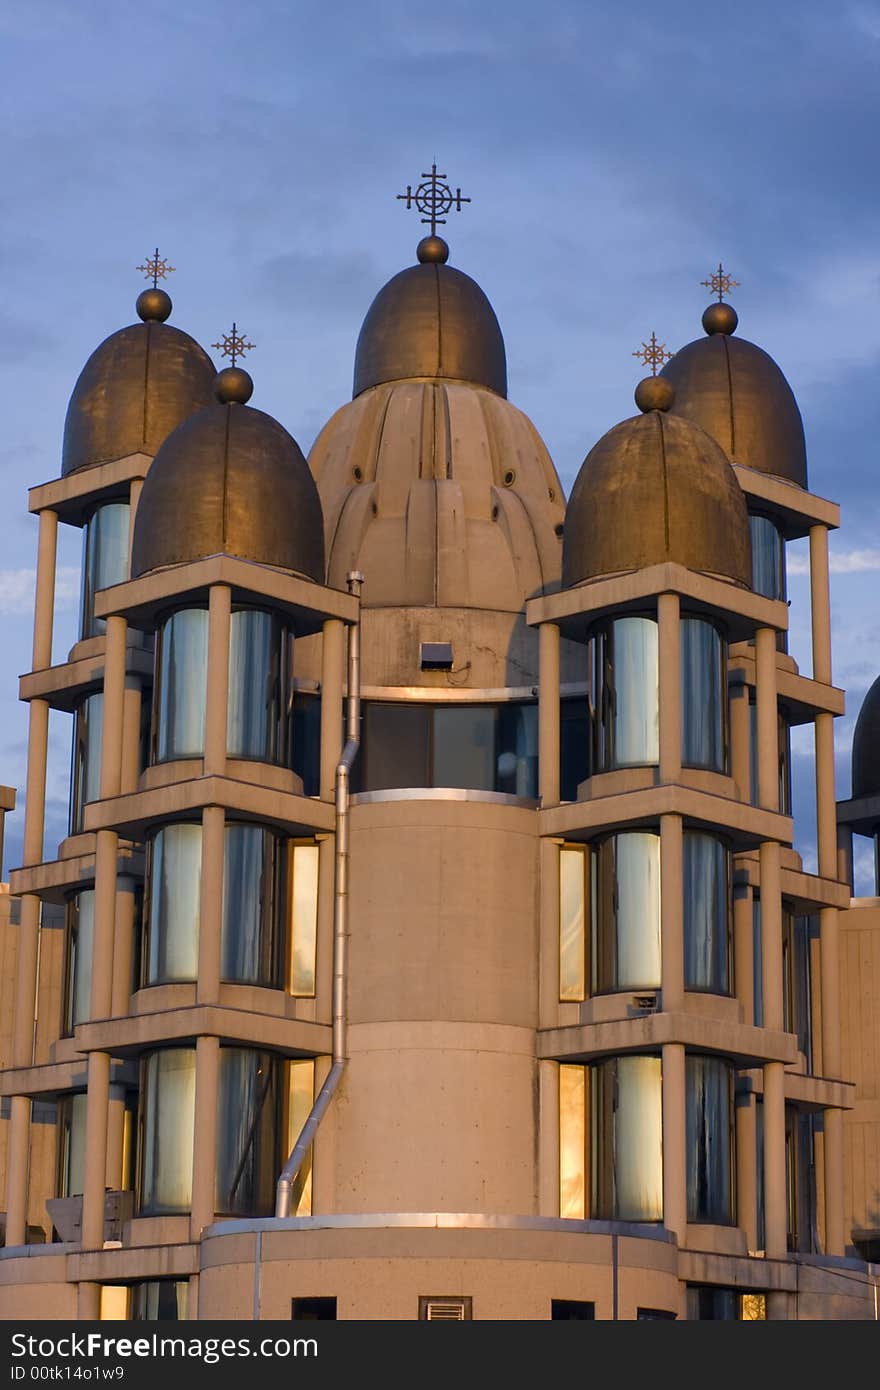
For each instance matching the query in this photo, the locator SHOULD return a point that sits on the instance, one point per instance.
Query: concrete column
(740, 740)
(775, 1202)
(205, 1134)
(548, 714)
(669, 647)
(674, 1141)
(835, 1237)
(332, 684)
(115, 1138)
(123, 947)
(44, 599)
(829, 955)
(97, 1112)
(88, 1302)
(114, 703)
(106, 855)
(131, 734)
(17, 1156)
(671, 913)
(845, 872)
(747, 1168)
(743, 951)
(767, 719)
(211, 905)
(134, 497)
(826, 810)
(771, 934)
(216, 709)
(820, 604)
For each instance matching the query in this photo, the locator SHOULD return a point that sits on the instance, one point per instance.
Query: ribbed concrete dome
(736, 392)
(138, 386)
(656, 488)
(231, 481)
(866, 746)
(431, 321)
(442, 494)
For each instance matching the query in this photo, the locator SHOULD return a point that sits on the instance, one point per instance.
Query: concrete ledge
(134, 813)
(747, 826)
(130, 1036)
(64, 686)
(739, 1041)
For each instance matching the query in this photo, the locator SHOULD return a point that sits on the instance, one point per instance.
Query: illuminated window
(302, 916)
(574, 863)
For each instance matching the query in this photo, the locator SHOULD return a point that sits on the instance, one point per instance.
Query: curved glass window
(706, 884)
(626, 1108)
(105, 560)
(709, 1118)
(625, 679)
(71, 1144)
(168, 1089)
(252, 898)
(85, 778)
(172, 948)
(257, 717)
(480, 747)
(249, 1108)
(768, 557)
(181, 685)
(78, 981)
(703, 695)
(159, 1300)
(626, 912)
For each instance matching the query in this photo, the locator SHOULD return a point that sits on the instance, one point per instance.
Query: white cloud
(17, 589)
(839, 562)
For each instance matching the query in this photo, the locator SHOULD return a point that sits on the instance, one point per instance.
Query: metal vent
(445, 1309)
(436, 656)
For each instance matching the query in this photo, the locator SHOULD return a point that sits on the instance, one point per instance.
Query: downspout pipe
(284, 1186)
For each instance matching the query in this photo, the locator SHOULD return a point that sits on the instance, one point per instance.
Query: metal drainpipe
(297, 1157)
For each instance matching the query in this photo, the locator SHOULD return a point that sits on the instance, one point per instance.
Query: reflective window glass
(768, 558)
(257, 710)
(627, 1139)
(709, 1108)
(159, 1300)
(250, 938)
(796, 973)
(464, 747)
(572, 1142)
(305, 733)
(703, 695)
(573, 863)
(479, 747)
(706, 884)
(634, 705)
(168, 1087)
(85, 780)
(300, 1099)
(105, 560)
(626, 916)
(181, 685)
(175, 866)
(71, 1144)
(302, 916)
(248, 1132)
(80, 934)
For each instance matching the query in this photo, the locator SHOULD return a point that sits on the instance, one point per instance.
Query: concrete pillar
(671, 913)
(94, 1184)
(820, 604)
(17, 1157)
(669, 656)
(211, 905)
(123, 947)
(205, 1134)
(740, 740)
(115, 1138)
(832, 1067)
(674, 1141)
(771, 935)
(767, 719)
(106, 855)
(826, 810)
(216, 709)
(332, 683)
(845, 871)
(114, 704)
(88, 1302)
(44, 598)
(745, 1118)
(835, 1235)
(548, 714)
(131, 734)
(743, 950)
(775, 1202)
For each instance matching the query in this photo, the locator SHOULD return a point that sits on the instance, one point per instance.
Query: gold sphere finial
(432, 250)
(720, 318)
(153, 305)
(233, 386)
(654, 393)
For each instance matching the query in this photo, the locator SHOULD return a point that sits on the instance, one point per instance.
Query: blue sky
(613, 154)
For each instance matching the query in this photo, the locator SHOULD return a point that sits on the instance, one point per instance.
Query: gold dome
(431, 321)
(442, 494)
(866, 746)
(230, 481)
(134, 390)
(735, 391)
(656, 488)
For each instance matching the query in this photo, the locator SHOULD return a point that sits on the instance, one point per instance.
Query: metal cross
(653, 354)
(234, 345)
(433, 198)
(720, 283)
(155, 266)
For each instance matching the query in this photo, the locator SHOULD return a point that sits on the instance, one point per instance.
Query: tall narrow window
(799, 1178)
(175, 867)
(573, 898)
(703, 696)
(706, 884)
(626, 1128)
(85, 780)
(626, 912)
(796, 998)
(302, 917)
(572, 1142)
(250, 940)
(181, 685)
(168, 1088)
(105, 560)
(248, 1131)
(626, 686)
(71, 1145)
(257, 709)
(78, 972)
(768, 557)
(300, 1099)
(159, 1300)
(709, 1118)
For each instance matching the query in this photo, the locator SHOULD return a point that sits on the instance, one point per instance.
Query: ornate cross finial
(720, 283)
(234, 345)
(653, 354)
(433, 199)
(155, 266)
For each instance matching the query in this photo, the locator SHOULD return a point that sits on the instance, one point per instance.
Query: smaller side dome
(431, 321)
(136, 387)
(656, 488)
(866, 746)
(232, 481)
